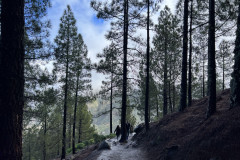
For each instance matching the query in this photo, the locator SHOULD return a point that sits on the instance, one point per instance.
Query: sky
(93, 30)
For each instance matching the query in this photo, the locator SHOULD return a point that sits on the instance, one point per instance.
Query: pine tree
(147, 69)
(211, 61)
(125, 19)
(81, 75)
(165, 60)
(45, 109)
(183, 98)
(124, 85)
(130, 118)
(190, 58)
(235, 82)
(109, 65)
(85, 128)
(224, 59)
(67, 34)
(37, 45)
(12, 78)
(153, 112)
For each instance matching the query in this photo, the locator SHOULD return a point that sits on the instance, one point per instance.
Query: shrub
(86, 142)
(98, 138)
(80, 145)
(91, 141)
(69, 150)
(112, 135)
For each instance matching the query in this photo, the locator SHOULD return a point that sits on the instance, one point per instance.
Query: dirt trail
(120, 151)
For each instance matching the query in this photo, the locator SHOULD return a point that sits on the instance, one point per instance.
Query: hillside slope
(190, 136)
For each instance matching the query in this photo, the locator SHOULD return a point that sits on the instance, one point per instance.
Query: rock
(139, 128)
(170, 152)
(114, 143)
(134, 145)
(104, 145)
(153, 143)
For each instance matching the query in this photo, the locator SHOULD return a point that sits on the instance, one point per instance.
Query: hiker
(117, 131)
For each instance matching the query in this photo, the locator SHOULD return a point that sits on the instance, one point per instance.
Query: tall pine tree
(81, 74)
(12, 78)
(183, 99)
(211, 61)
(67, 34)
(235, 82)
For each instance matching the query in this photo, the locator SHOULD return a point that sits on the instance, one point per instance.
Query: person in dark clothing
(117, 131)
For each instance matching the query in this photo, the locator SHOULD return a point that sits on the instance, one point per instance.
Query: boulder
(139, 128)
(104, 145)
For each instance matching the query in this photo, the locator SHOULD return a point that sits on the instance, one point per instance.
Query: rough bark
(79, 130)
(174, 96)
(12, 79)
(70, 131)
(223, 67)
(169, 97)
(65, 104)
(44, 135)
(74, 115)
(124, 91)
(190, 59)
(157, 106)
(165, 105)
(235, 82)
(111, 94)
(147, 113)
(203, 81)
(29, 146)
(111, 103)
(211, 61)
(183, 98)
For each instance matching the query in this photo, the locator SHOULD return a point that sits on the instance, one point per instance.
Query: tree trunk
(174, 97)
(190, 59)
(157, 106)
(183, 97)
(74, 115)
(211, 61)
(147, 77)
(58, 143)
(203, 80)
(65, 105)
(79, 131)
(124, 91)
(235, 82)
(111, 95)
(69, 132)
(29, 145)
(169, 97)
(223, 73)
(12, 79)
(165, 105)
(44, 136)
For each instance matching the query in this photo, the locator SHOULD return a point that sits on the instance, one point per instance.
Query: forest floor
(189, 135)
(186, 135)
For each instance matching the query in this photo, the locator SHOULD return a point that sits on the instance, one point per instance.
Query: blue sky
(91, 28)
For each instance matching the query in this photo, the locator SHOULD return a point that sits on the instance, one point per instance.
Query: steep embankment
(189, 135)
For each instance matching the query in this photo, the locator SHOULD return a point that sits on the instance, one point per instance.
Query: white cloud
(93, 34)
